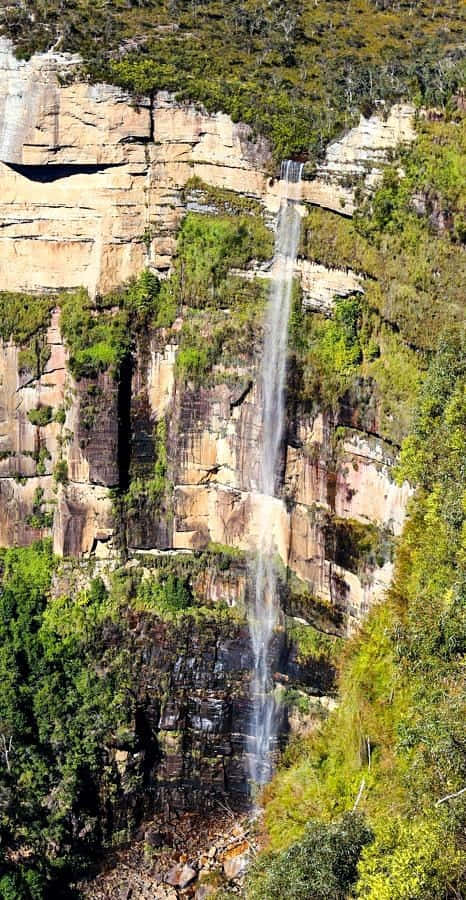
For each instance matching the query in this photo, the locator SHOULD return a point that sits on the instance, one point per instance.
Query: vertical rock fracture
(264, 608)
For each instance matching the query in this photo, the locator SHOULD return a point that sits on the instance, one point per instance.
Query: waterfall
(264, 608)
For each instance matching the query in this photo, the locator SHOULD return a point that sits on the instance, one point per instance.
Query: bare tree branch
(450, 796)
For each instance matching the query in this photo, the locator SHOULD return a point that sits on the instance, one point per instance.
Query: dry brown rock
(181, 875)
(236, 861)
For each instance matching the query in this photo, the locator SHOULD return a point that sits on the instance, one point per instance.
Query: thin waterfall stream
(265, 606)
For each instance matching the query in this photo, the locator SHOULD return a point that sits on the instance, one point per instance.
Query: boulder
(181, 875)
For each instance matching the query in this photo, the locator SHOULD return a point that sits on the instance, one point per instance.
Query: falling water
(264, 609)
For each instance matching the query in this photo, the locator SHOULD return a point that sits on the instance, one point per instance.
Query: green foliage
(357, 546)
(208, 247)
(39, 517)
(224, 201)
(409, 860)
(41, 416)
(23, 316)
(141, 298)
(193, 363)
(167, 308)
(97, 340)
(379, 344)
(60, 415)
(226, 335)
(406, 237)
(321, 866)
(312, 644)
(55, 708)
(391, 368)
(159, 484)
(413, 232)
(223, 555)
(433, 170)
(335, 242)
(60, 472)
(167, 596)
(153, 487)
(99, 334)
(396, 735)
(436, 448)
(24, 319)
(331, 352)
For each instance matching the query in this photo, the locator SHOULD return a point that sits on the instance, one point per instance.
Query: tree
(321, 866)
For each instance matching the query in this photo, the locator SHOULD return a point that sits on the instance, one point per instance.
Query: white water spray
(265, 606)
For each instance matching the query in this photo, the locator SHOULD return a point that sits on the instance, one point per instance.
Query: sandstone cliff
(93, 191)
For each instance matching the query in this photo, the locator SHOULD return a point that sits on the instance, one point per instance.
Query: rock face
(30, 493)
(88, 176)
(212, 448)
(320, 285)
(182, 744)
(92, 191)
(92, 181)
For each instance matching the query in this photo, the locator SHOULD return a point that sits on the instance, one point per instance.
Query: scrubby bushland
(297, 74)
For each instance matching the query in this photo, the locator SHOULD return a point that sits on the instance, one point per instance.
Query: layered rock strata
(92, 181)
(93, 191)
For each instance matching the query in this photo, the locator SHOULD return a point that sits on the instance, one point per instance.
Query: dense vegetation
(324, 862)
(297, 73)
(24, 319)
(397, 734)
(395, 745)
(68, 699)
(408, 242)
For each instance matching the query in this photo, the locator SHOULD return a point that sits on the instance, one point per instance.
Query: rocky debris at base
(181, 875)
(185, 856)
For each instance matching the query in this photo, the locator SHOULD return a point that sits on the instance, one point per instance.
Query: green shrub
(24, 319)
(312, 644)
(97, 340)
(168, 596)
(60, 472)
(60, 415)
(41, 416)
(193, 363)
(357, 546)
(321, 866)
(409, 860)
(56, 707)
(208, 247)
(330, 352)
(39, 517)
(23, 316)
(395, 738)
(418, 262)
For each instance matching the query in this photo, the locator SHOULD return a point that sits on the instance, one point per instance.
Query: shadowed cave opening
(49, 172)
